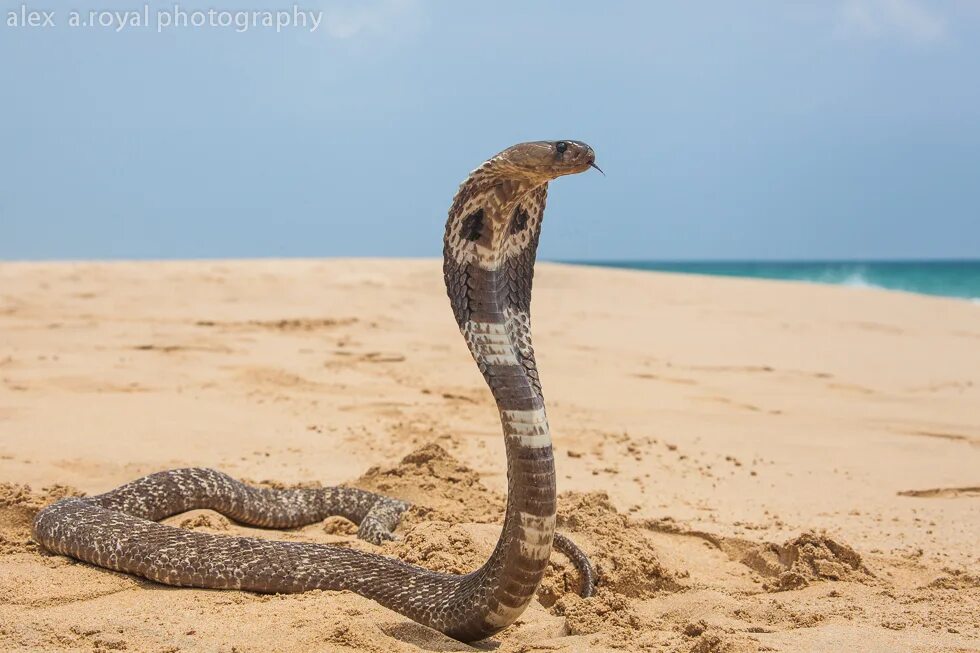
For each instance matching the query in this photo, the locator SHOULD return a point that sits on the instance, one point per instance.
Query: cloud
(907, 20)
(351, 19)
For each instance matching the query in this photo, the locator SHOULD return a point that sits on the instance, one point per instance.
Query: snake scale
(489, 251)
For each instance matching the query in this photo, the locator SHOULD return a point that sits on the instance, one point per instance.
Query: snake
(489, 250)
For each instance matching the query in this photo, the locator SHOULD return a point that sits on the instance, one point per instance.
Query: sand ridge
(769, 466)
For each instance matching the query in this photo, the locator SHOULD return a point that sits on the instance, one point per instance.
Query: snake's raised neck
(490, 246)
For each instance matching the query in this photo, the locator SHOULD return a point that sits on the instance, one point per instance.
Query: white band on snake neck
(528, 427)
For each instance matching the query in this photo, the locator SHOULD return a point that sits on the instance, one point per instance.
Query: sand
(752, 465)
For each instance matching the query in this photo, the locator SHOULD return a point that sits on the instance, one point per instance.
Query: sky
(752, 130)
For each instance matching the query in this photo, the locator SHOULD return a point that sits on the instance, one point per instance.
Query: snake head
(542, 161)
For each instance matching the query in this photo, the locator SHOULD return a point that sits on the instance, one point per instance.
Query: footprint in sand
(943, 435)
(665, 379)
(728, 402)
(170, 349)
(851, 387)
(369, 357)
(275, 377)
(284, 324)
(943, 493)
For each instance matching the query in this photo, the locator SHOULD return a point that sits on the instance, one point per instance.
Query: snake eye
(561, 146)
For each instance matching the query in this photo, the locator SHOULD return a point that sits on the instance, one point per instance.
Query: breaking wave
(960, 279)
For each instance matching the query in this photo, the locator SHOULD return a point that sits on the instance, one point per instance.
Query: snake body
(489, 251)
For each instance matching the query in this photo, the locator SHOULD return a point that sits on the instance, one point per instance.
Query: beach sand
(753, 465)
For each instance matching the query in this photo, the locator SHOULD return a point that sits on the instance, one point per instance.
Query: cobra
(489, 252)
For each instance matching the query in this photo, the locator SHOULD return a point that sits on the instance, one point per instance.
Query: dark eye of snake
(561, 146)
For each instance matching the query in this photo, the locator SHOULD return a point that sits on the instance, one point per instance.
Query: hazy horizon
(437, 256)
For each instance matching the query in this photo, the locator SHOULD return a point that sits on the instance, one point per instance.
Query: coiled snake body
(490, 245)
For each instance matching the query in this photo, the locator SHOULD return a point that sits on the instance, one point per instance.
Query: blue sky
(824, 129)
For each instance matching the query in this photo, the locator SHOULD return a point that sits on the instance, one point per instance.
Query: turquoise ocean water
(946, 278)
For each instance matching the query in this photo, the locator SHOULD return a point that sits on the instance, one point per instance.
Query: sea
(946, 278)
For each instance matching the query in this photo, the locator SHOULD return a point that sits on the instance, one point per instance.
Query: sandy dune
(753, 465)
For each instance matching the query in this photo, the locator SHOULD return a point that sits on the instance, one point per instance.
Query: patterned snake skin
(490, 244)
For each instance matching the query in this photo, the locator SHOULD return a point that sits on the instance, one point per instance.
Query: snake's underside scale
(490, 245)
